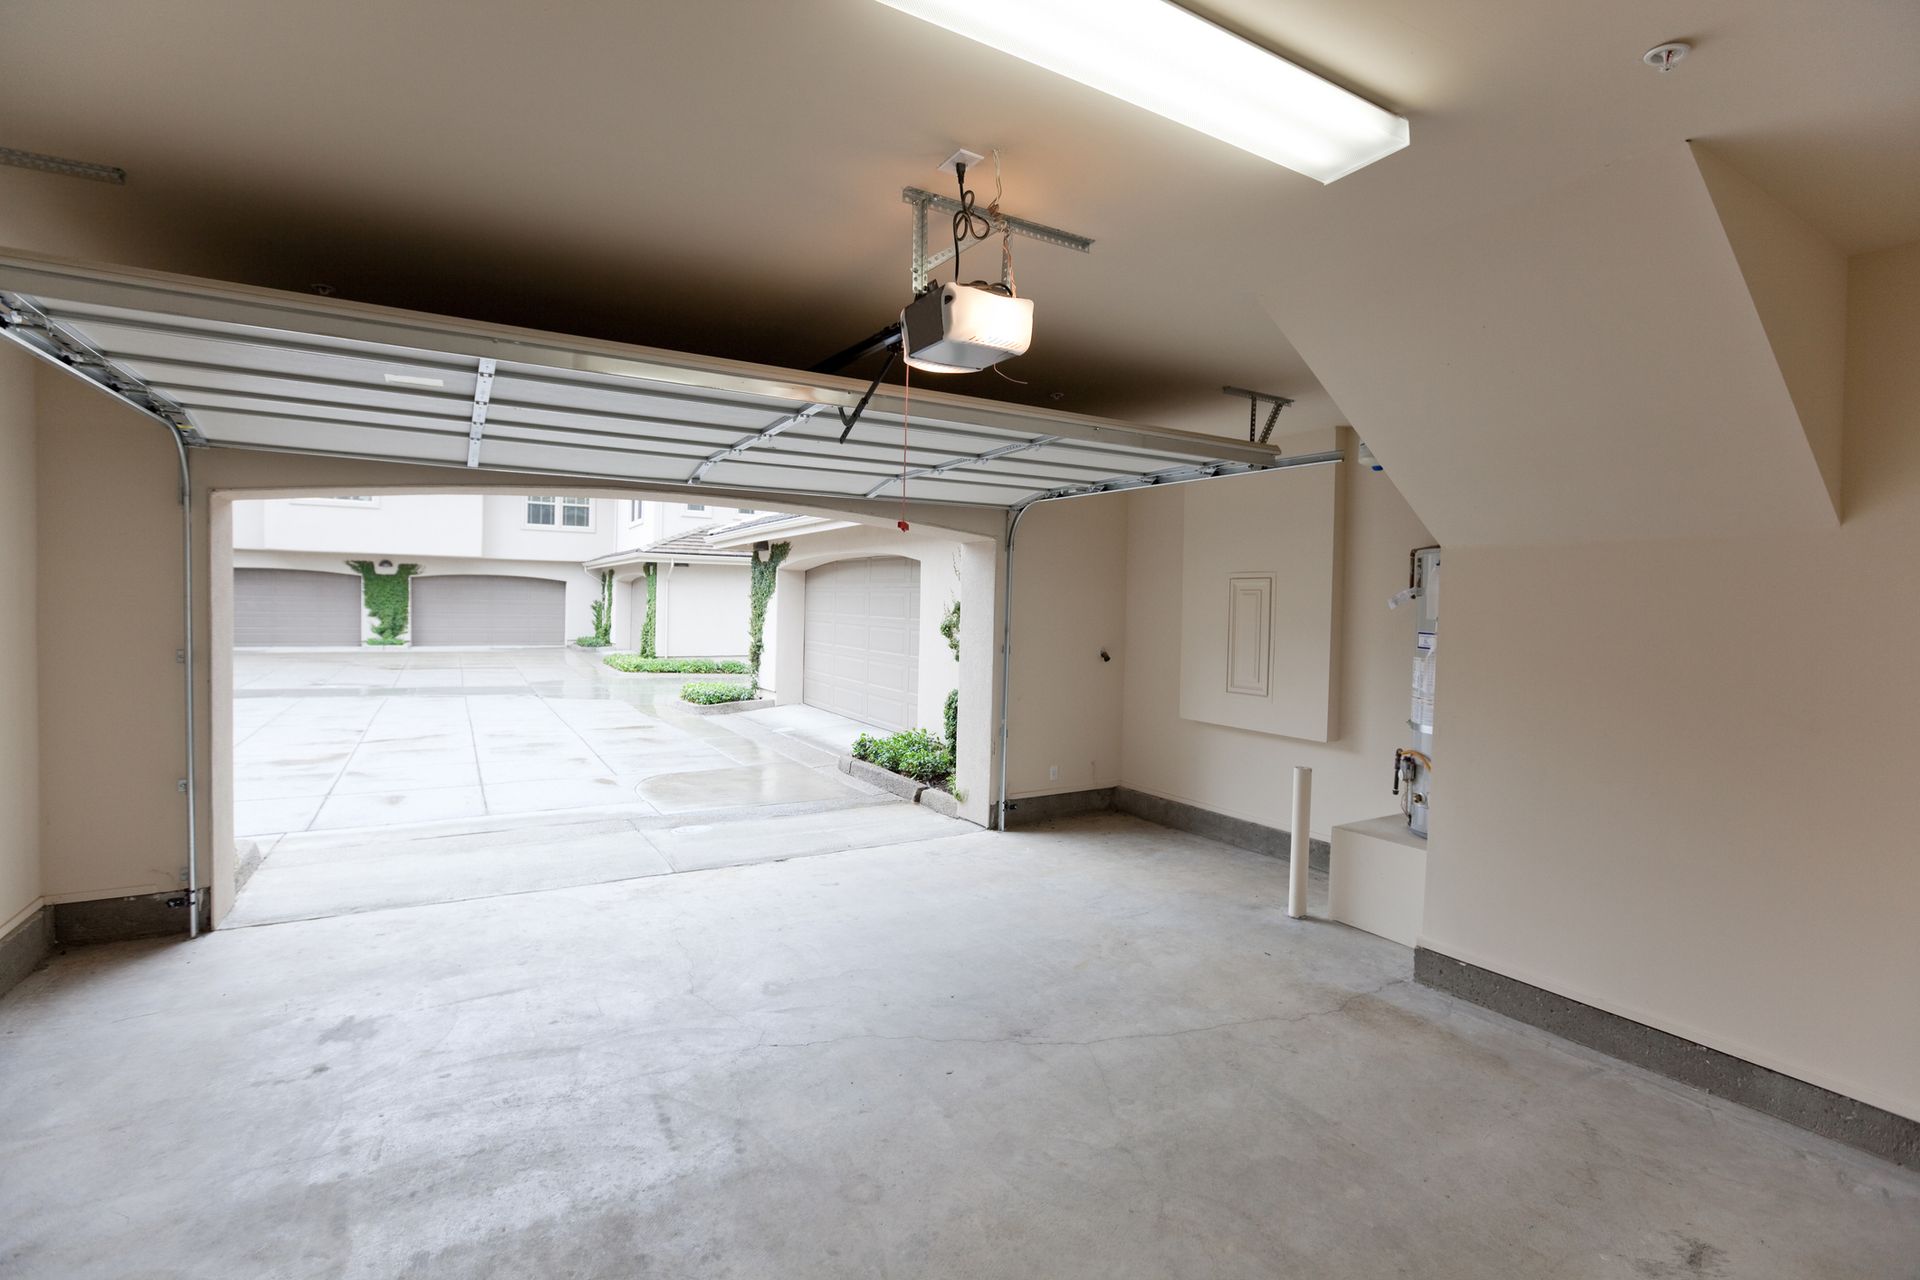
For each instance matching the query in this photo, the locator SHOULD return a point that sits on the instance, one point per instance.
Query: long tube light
(1176, 64)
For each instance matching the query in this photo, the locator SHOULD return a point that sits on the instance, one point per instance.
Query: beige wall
(19, 707)
(109, 629)
(1277, 532)
(1069, 603)
(1247, 774)
(1678, 776)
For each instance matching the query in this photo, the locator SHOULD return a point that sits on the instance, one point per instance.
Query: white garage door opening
(862, 640)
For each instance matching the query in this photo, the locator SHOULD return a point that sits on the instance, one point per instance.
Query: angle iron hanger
(925, 263)
(1254, 400)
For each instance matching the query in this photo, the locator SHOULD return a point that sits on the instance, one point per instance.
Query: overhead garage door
(479, 608)
(295, 607)
(862, 648)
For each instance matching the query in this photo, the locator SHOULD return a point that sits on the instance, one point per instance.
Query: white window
(746, 511)
(696, 506)
(635, 510)
(566, 513)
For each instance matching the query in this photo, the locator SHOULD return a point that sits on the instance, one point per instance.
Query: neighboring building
(854, 626)
(493, 569)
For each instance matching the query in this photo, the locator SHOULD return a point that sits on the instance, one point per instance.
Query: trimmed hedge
(633, 662)
(914, 754)
(709, 692)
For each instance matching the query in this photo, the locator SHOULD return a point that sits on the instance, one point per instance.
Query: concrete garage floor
(372, 780)
(1093, 1050)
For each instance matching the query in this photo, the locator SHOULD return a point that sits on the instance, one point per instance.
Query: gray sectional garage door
(295, 607)
(862, 655)
(473, 608)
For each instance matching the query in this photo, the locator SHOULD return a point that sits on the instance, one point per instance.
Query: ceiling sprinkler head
(1662, 57)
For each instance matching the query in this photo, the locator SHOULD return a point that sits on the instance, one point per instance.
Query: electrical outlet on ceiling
(971, 159)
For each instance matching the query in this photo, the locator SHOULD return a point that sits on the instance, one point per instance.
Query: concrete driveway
(368, 780)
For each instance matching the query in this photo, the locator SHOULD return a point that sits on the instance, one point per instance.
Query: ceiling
(724, 177)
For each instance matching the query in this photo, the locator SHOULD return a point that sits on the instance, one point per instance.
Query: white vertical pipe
(1300, 841)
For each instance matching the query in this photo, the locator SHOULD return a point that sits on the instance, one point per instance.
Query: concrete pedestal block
(1377, 879)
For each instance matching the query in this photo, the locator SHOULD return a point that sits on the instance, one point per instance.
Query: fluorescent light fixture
(1173, 63)
(414, 380)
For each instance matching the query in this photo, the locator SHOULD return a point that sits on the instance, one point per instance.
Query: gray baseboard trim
(25, 948)
(118, 919)
(1029, 811)
(1808, 1106)
(1238, 832)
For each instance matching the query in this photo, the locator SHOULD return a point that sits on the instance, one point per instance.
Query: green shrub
(602, 615)
(950, 628)
(914, 754)
(760, 585)
(709, 692)
(386, 597)
(633, 662)
(953, 722)
(653, 603)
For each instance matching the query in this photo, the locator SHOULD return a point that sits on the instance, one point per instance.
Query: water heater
(1413, 763)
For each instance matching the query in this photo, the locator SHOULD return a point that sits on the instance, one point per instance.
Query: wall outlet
(1053, 773)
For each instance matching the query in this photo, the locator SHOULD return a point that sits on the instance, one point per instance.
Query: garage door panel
(295, 607)
(862, 640)
(488, 609)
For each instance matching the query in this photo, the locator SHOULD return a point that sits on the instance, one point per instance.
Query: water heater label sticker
(1425, 641)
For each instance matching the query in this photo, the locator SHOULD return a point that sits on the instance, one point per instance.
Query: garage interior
(1300, 915)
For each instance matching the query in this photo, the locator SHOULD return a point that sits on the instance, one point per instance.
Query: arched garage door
(862, 655)
(476, 608)
(295, 607)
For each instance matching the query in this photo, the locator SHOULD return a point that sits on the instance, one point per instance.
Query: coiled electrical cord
(968, 223)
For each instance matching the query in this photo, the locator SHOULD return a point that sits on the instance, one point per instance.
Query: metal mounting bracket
(482, 394)
(924, 263)
(763, 436)
(1255, 399)
(977, 460)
